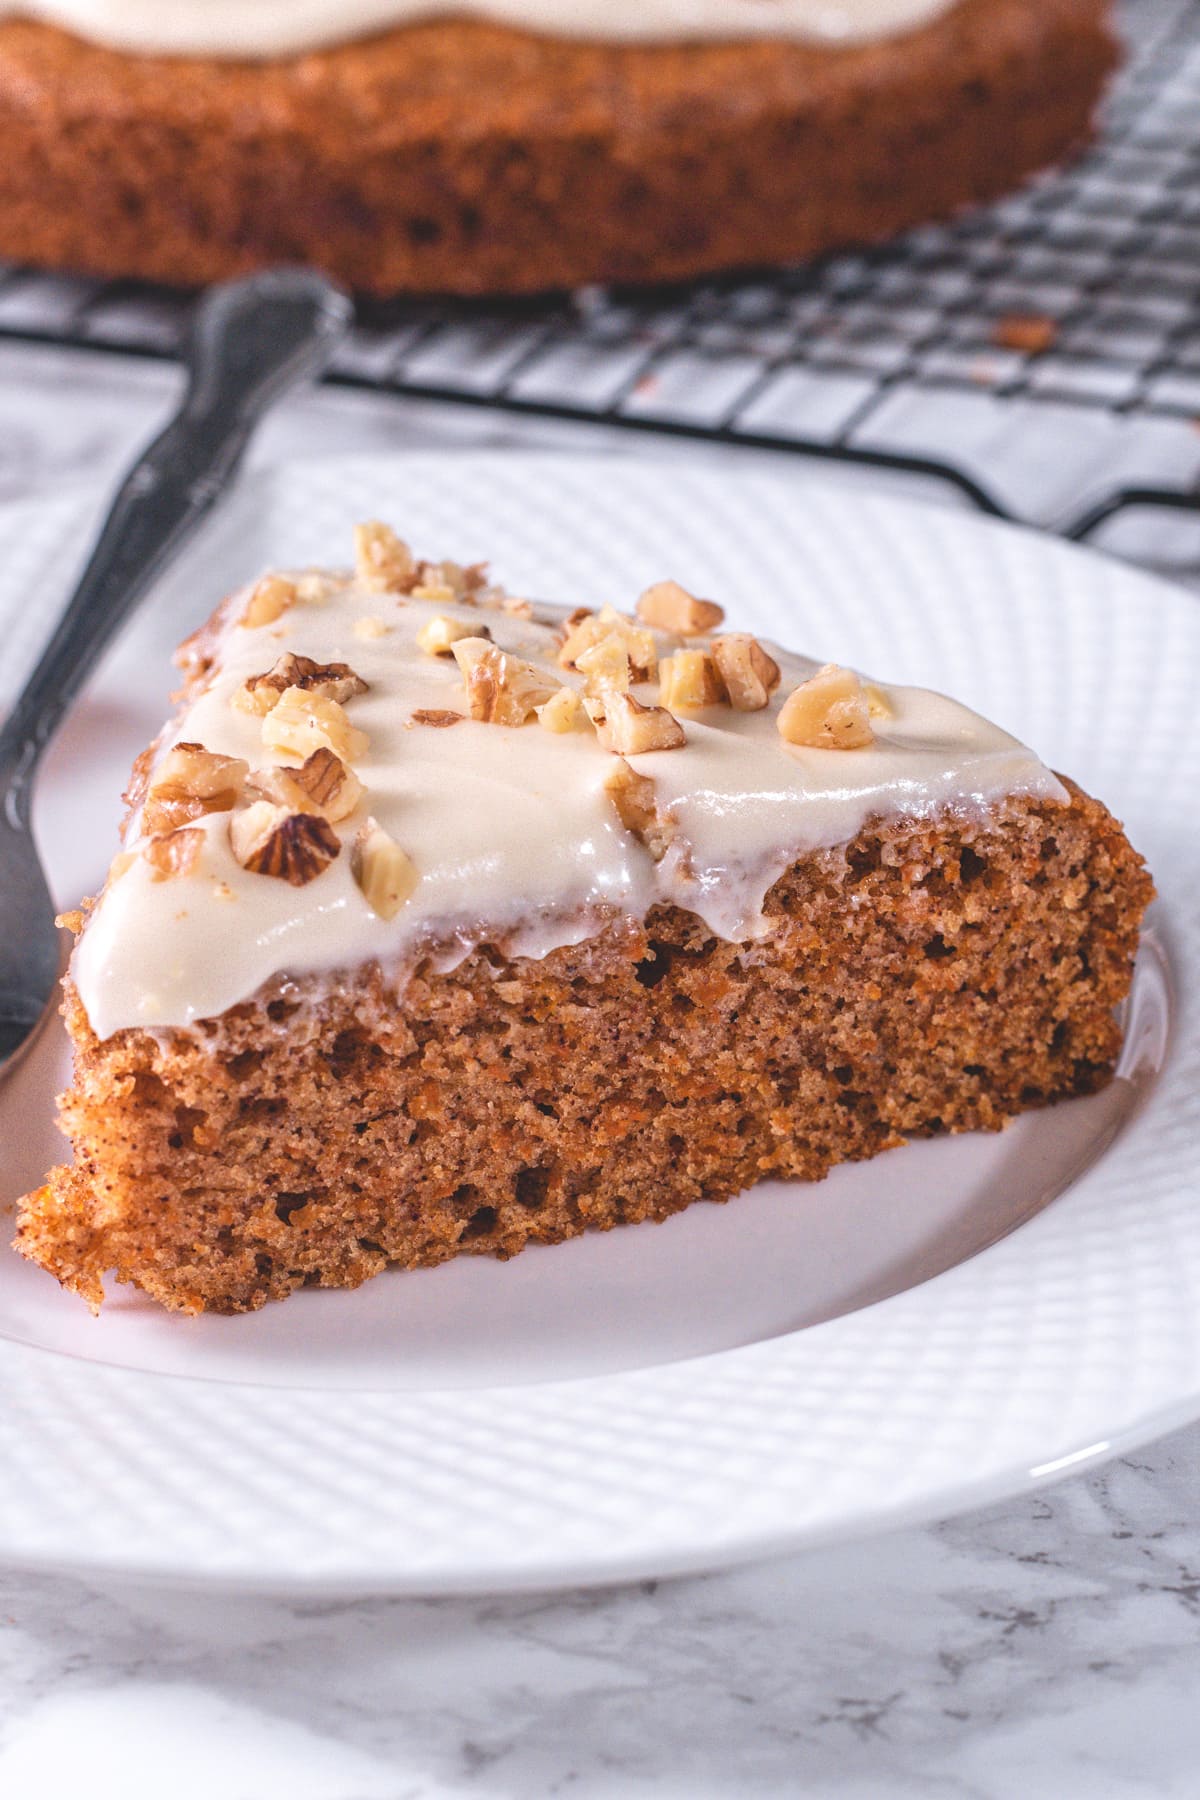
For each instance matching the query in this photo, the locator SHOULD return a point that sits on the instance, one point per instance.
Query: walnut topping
(669, 607)
(370, 625)
(333, 681)
(501, 689)
(605, 667)
(189, 782)
(516, 607)
(827, 712)
(315, 588)
(561, 712)
(269, 599)
(631, 729)
(438, 635)
(443, 581)
(585, 630)
(174, 853)
(295, 847)
(386, 875)
(301, 722)
(384, 562)
(322, 785)
(633, 797)
(689, 680)
(437, 716)
(749, 674)
(878, 704)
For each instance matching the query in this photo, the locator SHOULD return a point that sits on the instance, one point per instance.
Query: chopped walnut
(562, 711)
(370, 625)
(174, 853)
(669, 607)
(384, 562)
(689, 680)
(189, 782)
(315, 588)
(437, 716)
(322, 785)
(333, 681)
(295, 847)
(585, 630)
(438, 636)
(441, 581)
(605, 667)
(501, 689)
(386, 875)
(878, 704)
(633, 797)
(749, 674)
(269, 599)
(516, 608)
(632, 729)
(827, 712)
(301, 722)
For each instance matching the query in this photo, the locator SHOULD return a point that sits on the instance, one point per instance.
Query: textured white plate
(908, 1337)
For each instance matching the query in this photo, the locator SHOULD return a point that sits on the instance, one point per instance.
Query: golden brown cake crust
(463, 157)
(927, 977)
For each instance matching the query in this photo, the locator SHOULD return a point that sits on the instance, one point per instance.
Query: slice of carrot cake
(445, 922)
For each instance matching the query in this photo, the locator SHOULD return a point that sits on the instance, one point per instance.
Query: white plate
(911, 1336)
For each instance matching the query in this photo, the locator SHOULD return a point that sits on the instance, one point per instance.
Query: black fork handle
(250, 341)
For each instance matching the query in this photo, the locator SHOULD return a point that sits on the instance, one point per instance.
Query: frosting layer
(511, 831)
(271, 28)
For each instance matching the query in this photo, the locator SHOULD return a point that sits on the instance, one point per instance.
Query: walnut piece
(827, 712)
(386, 875)
(370, 625)
(333, 681)
(561, 712)
(189, 782)
(633, 797)
(878, 704)
(295, 847)
(749, 674)
(384, 563)
(585, 630)
(300, 722)
(669, 607)
(438, 635)
(632, 729)
(438, 716)
(322, 785)
(174, 853)
(269, 599)
(605, 666)
(501, 689)
(689, 680)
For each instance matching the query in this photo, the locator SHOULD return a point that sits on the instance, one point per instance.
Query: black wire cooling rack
(1066, 320)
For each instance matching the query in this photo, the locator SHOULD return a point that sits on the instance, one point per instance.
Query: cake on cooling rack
(445, 922)
(519, 145)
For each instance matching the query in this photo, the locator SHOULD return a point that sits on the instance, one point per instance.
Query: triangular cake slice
(447, 922)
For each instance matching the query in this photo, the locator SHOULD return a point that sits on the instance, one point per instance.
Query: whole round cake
(519, 145)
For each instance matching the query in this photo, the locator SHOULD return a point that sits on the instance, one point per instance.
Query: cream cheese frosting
(511, 830)
(274, 28)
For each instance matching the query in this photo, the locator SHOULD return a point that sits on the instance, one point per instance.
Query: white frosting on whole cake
(513, 835)
(273, 28)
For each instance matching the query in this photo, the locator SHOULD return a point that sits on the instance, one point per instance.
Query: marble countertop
(1044, 1649)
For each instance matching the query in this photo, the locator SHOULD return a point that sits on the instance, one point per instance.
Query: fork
(250, 343)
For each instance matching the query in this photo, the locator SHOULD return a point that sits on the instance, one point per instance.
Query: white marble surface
(1048, 1647)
